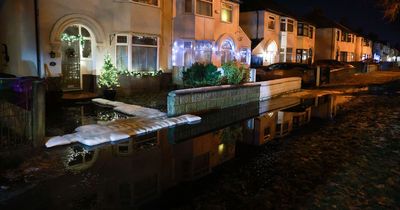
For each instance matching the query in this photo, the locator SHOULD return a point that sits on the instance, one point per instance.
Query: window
(300, 29)
(226, 13)
(301, 56)
(136, 53)
(86, 46)
(144, 53)
(290, 24)
(337, 35)
(151, 2)
(188, 6)
(203, 52)
(289, 54)
(282, 55)
(271, 22)
(122, 53)
(204, 7)
(283, 24)
(311, 32)
(244, 55)
(227, 52)
(343, 56)
(366, 42)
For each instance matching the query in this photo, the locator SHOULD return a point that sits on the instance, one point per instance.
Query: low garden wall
(219, 97)
(271, 88)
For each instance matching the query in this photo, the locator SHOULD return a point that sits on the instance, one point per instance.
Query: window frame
(146, 4)
(206, 1)
(130, 45)
(273, 18)
(224, 3)
(191, 7)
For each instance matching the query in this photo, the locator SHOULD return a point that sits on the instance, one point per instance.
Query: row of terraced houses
(167, 35)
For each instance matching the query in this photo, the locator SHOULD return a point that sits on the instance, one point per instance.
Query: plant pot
(109, 94)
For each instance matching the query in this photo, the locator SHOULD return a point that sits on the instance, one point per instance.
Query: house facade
(277, 37)
(208, 31)
(363, 48)
(74, 36)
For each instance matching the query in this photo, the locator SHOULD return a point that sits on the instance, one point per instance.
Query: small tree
(234, 73)
(109, 76)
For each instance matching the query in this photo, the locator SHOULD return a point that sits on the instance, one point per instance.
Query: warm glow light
(221, 149)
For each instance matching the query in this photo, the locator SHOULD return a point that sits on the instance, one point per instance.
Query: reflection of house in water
(324, 107)
(196, 158)
(261, 129)
(301, 115)
(284, 124)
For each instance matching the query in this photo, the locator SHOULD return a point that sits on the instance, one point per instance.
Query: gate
(21, 113)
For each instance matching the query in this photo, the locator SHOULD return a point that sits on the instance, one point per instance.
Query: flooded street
(324, 152)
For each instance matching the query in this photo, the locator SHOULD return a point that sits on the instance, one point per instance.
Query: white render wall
(17, 19)
(113, 17)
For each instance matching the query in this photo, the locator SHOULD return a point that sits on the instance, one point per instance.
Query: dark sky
(363, 14)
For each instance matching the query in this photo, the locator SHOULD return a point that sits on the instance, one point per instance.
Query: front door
(71, 66)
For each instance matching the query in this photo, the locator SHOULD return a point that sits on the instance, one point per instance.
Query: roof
(321, 21)
(267, 5)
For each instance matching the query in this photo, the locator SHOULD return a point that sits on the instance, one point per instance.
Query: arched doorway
(270, 53)
(76, 55)
(227, 51)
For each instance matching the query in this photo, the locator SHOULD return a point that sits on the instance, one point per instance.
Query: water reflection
(134, 172)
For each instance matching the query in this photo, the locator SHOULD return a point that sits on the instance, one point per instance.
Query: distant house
(277, 35)
(333, 40)
(208, 31)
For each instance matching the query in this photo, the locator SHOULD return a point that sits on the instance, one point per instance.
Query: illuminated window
(203, 52)
(271, 22)
(204, 7)
(150, 2)
(86, 46)
(227, 13)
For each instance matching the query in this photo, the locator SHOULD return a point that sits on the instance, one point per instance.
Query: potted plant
(109, 79)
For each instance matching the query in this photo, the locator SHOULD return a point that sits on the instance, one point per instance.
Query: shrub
(234, 73)
(109, 76)
(199, 75)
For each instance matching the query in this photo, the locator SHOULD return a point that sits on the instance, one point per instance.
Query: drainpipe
(258, 21)
(37, 34)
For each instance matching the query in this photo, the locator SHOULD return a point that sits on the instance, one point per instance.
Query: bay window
(144, 53)
(203, 52)
(136, 53)
(226, 13)
(204, 7)
(150, 2)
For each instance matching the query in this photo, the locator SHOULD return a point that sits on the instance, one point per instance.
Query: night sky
(363, 14)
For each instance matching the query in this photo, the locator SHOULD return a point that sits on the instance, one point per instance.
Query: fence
(22, 113)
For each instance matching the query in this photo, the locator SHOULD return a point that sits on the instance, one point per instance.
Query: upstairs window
(290, 24)
(150, 2)
(271, 22)
(188, 6)
(283, 24)
(337, 35)
(366, 42)
(311, 32)
(204, 7)
(227, 13)
(302, 29)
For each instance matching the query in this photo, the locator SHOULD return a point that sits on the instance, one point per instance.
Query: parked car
(332, 64)
(283, 70)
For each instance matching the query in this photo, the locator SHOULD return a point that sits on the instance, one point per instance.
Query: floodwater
(137, 173)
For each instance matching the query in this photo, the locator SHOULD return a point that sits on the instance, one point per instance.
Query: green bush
(199, 75)
(234, 73)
